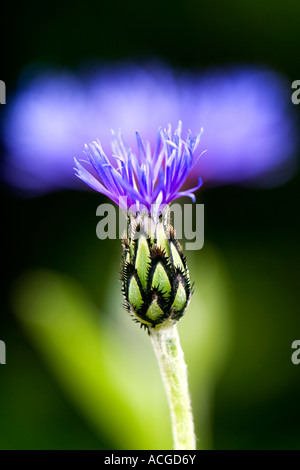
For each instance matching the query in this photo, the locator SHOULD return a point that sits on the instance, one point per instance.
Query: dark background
(255, 231)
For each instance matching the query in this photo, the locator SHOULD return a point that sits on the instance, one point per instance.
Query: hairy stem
(173, 369)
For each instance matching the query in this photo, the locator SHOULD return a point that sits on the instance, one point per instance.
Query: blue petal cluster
(146, 180)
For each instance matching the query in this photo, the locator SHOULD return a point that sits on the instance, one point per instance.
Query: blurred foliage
(76, 365)
(108, 368)
(236, 335)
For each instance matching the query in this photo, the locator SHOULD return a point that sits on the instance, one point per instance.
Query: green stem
(166, 345)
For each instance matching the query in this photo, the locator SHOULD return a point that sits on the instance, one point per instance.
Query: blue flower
(143, 181)
(252, 135)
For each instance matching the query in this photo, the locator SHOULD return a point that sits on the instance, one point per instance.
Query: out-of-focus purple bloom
(248, 121)
(148, 180)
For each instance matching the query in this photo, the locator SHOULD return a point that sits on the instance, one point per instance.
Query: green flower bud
(154, 274)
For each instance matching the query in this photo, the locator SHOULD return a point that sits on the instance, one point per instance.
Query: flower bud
(154, 274)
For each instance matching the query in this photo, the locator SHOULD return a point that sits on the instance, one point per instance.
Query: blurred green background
(79, 373)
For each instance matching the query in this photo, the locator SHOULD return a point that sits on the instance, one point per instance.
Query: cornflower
(155, 278)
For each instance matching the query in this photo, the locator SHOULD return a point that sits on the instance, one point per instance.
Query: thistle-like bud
(154, 274)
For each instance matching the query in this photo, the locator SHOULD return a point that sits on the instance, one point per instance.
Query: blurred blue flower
(249, 124)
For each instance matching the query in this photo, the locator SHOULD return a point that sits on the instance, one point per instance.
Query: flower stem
(166, 345)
